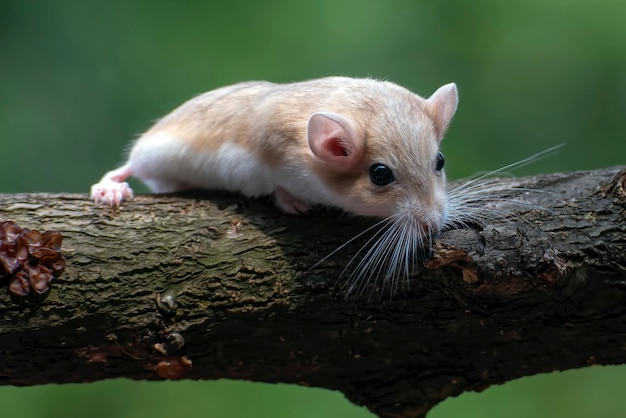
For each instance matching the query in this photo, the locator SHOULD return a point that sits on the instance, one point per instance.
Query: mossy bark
(218, 286)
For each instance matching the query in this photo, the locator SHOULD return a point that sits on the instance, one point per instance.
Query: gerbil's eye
(440, 161)
(381, 175)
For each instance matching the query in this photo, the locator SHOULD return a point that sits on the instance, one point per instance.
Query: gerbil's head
(383, 158)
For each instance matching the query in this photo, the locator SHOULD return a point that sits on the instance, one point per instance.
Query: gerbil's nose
(428, 219)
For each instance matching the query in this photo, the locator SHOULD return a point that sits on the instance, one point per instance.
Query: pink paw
(288, 202)
(110, 192)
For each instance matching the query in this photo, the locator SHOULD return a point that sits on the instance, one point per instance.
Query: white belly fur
(168, 165)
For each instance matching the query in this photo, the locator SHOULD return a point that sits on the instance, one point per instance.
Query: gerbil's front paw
(110, 192)
(289, 203)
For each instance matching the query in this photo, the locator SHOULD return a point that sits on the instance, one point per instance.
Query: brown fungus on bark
(29, 259)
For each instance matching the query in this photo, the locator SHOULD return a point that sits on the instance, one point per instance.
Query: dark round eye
(440, 161)
(381, 175)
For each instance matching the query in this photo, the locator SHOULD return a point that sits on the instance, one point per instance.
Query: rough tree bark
(217, 287)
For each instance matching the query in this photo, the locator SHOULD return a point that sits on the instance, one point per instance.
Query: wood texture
(218, 286)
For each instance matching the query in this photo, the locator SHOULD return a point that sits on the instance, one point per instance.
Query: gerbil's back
(269, 102)
(270, 120)
(213, 108)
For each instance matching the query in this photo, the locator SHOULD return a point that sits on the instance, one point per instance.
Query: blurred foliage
(79, 80)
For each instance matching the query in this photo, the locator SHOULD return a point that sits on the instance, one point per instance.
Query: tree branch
(219, 287)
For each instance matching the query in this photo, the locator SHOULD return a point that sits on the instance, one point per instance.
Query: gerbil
(367, 146)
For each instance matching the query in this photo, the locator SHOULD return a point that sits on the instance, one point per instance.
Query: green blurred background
(79, 80)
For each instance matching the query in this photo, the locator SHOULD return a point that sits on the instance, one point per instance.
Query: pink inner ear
(337, 149)
(332, 139)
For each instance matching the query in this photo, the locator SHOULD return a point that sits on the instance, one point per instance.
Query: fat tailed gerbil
(367, 146)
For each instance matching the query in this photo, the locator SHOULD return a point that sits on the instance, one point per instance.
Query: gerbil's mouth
(423, 226)
(428, 229)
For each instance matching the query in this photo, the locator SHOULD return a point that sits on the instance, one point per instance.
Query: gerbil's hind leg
(288, 202)
(112, 189)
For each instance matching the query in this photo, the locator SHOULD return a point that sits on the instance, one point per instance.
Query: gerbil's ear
(442, 106)
(332, 138)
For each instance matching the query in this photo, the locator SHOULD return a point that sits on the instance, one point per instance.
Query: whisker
(342, 246)
(470, 202)
(369, 246)
(370, 265)
(390, 259)
(533, 158)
